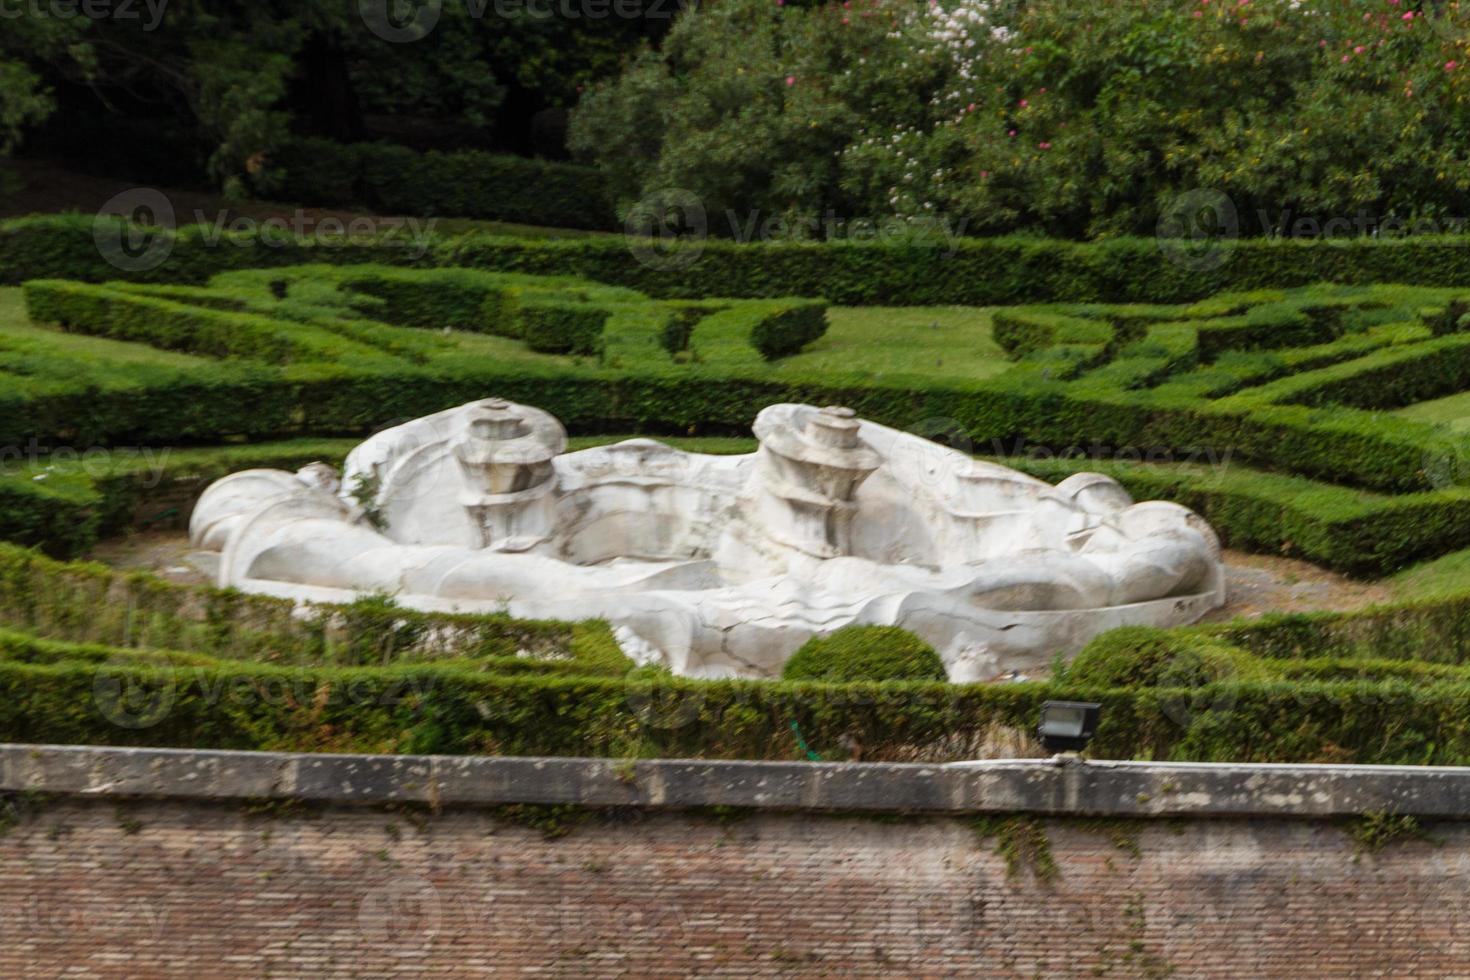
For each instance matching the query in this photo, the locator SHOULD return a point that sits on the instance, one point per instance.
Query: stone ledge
(1120, 789)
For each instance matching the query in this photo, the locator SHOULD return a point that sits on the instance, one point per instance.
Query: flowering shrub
(1066, 118)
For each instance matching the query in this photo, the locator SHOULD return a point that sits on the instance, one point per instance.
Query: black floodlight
(1067, 726)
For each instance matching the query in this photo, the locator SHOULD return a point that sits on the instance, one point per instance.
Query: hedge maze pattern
(1272, 411)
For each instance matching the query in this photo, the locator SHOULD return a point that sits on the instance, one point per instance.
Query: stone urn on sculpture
(509, 481)
(811, 464)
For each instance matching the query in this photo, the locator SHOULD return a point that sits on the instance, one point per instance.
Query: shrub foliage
(865, 653)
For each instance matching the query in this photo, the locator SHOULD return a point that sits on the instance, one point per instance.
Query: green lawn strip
(1451, 411)
(634, 385)
(1388, 378)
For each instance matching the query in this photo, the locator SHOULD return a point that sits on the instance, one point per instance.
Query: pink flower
(1044, 145)
(790, 79)
(1451, 65)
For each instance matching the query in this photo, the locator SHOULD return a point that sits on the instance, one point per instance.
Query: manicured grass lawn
(915, 345)
(1452, 411)
(18, 337)
(1443, 576)
(882, 341)
(862, 344)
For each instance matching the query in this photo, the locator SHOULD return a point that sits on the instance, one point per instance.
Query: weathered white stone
(719, 565)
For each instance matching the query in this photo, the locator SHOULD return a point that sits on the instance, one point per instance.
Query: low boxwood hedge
(462, 183)
(865, 653)
(971, 272)
(563, 328)
(52, 694)
(83, 602)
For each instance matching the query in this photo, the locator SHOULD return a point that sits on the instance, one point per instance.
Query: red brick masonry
(182, 888)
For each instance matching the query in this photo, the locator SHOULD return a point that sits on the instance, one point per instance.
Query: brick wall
(115, 888)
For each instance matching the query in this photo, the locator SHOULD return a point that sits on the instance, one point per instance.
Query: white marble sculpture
(719, 565)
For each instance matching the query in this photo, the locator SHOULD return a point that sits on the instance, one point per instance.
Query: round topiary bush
(865, 653)
(1142, 656)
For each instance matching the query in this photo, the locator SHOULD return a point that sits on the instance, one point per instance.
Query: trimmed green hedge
(82, 602)
(453, 300)
(1336, 527)
(786, 326)
(1137, 656)
(865, 653)
(74, 246)
(260, 676)
(353, 375)
(975, 272)
(971, 272)
(563, 328)
(50, 693)
(461, 183)
(129, 315)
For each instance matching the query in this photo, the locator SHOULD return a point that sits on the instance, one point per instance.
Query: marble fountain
(718, 565)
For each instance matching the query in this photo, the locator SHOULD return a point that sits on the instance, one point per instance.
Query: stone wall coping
(1042, 786)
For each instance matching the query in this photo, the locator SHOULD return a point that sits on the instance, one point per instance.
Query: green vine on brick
(1376, 829)
(1019, 841)
(16, 807)
(1121, 832)
(553, 821)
